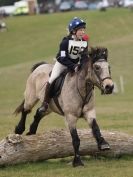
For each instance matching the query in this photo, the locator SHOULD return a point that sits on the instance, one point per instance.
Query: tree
(15, 149)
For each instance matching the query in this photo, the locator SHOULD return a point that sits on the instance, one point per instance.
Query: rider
(72, 51)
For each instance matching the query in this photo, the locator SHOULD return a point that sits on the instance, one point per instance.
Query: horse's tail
(19, 108)
(36, 65)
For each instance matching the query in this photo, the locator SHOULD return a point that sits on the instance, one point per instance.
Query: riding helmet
(75, 24)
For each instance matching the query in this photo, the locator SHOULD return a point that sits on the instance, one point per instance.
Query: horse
(76, 98)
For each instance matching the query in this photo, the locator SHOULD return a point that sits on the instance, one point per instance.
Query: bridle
(99, 85)
(90, 85)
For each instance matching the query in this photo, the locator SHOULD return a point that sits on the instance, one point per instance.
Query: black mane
(97, 53)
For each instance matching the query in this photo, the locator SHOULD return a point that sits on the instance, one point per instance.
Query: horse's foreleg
(76, 143)
(37, 117)
(102, 144)
(75, 140)
(20, 128)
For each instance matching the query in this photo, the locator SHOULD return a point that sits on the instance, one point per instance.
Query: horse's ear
(92, 50)
(106, 50)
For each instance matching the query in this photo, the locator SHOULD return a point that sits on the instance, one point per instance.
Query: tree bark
(15, 149)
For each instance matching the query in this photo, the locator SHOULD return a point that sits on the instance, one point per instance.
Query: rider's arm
(63, 57)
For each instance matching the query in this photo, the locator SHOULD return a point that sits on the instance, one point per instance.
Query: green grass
(62, 168)
(36, 38)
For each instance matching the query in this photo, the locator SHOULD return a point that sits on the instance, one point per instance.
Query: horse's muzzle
(108, 89)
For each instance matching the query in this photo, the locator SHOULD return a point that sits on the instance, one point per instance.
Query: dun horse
(75, 100)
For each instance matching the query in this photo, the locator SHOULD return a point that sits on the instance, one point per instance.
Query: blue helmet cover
(76, 23)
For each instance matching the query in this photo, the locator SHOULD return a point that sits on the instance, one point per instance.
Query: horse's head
(101, 75)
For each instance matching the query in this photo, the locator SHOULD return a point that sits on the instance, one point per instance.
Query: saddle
(56, 86)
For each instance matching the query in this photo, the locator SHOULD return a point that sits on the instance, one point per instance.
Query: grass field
(36, 38)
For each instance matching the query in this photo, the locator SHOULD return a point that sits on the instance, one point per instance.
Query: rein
(88, 92)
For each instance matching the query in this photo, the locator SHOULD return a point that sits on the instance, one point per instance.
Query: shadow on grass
(63, 163)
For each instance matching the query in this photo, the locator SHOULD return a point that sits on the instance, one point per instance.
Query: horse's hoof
(104, 147)
(18, 130)
(29, 133)
(77, 162)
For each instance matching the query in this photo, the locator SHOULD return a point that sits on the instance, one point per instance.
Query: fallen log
(15, 149)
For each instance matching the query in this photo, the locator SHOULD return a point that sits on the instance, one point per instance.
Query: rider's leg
(57, 70)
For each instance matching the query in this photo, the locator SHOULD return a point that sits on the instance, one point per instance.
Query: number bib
(75, 47)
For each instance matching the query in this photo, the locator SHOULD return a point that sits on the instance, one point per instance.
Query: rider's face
(80, 32)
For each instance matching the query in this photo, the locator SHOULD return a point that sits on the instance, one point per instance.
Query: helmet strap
(73, 32)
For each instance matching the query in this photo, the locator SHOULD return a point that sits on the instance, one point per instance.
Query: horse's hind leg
(71, 121)
(25, 108)
(20, 128)
(37, 117)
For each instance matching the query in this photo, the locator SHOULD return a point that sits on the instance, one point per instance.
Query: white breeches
(57, 70)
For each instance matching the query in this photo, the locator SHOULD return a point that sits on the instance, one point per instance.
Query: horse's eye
(97, 67)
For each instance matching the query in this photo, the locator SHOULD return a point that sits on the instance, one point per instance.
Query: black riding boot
(46, 100)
